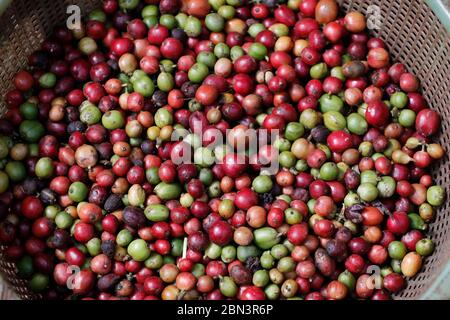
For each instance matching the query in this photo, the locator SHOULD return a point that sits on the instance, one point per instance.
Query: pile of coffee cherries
(93, 204)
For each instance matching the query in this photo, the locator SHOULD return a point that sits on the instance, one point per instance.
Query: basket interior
(414, 36)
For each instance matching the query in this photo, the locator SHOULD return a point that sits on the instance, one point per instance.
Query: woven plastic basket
(413, 33)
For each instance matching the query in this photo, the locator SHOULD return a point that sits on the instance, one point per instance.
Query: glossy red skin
(42, 227)
(23, 81)
(267, 38)
(358, 245)
(332, 85)
(83, 232)
(298, 233)
(219, 82)
(260, 11)
(316, 158)
(310, 56)
(162, 246)
(277, 84)
(398, 223)
(32, 207)
(243, 83)
(334, 31)
(153, 285)
(74, 256)
(121, 46)
(157, 34)
(378, 254)
(359, 83)
(317, 281)
(94, 91)
(314, 296)
(110, 223)
(416, 102)
(404, 188)
(286, 111)
(339, 141)
(253, 293)
(411, 238)
(220, 233)
(409, 82)
(338, 191)
(400, 172)
(303, 180)
(86, 279)
(428, 122)
(394, 282)
(304, 26)
(278, 58)
(324, 228)
(308, 7)
(355, 264)
(285, 15)
(422, 159)
(273, 122)
(395, 72)
(380, 78)
(234, 165)
(380, 295)
(377, 114)
(378, 58)
(245, 198)
(61, 273)
(332, 58)
(245, 64)
(387, 238)
(171, 48)
(216, 268)
(319, 188)
(275, 217)
(383, 165)
(301, 206)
